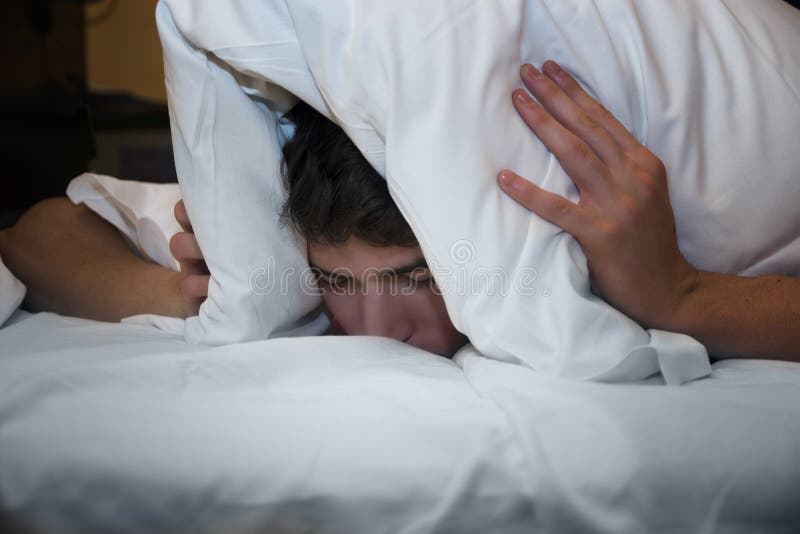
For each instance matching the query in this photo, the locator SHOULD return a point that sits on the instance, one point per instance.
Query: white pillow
(228, 159)
(12, 291)
(424, 90)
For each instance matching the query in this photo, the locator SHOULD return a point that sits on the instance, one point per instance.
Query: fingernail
(553, 68)
(506, 178)
(523, 97)
(530, 72)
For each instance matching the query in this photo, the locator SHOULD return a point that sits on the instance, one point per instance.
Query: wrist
(680, 302)
(682, 316)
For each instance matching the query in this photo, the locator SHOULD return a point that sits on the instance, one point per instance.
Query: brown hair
(333, 193)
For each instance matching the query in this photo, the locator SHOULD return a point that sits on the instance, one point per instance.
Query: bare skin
(194, 273)
(625, 225)
(75, 263)
(384, 291)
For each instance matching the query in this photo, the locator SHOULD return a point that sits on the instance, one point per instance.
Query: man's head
(372, 273)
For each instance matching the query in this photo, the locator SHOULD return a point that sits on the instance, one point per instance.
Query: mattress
(128, 428)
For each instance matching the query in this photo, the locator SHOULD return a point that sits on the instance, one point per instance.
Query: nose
(383, 315)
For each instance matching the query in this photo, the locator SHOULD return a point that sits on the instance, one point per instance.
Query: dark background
(51, 125)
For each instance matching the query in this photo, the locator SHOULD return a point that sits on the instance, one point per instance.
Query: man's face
(383, 291)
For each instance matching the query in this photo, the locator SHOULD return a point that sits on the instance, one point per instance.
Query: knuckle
(175, 244)
(189, 286)
(595, 131)
(528, 196)
(579, 150)
(627, 212)
(592, 106)
(659, 169)
(645, 158)
(613, 230)
(647, 187)
(572, 88)
(559, 208)
(535, 117)
(584, 123)
(194, 286)
(546, 89)
(603, 114)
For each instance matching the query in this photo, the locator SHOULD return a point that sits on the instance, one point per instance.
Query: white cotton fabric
(142, 212)
(423, 88)
(228, 158)
(120, 428)
(12, 291)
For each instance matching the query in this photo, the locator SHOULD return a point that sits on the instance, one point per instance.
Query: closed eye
(336, 281)
(419, 276)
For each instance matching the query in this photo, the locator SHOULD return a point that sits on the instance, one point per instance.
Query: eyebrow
(404, 269)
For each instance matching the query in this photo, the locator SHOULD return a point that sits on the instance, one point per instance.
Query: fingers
(590, 106)
(627, 142)
(550, 206)
(183, 246)
(195, 286)
(568, 113)
(185, 249)
(577, 158)
(182, 216)
(194, 291)
(194, 272)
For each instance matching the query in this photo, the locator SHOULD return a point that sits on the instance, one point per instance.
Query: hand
(623, 220)
(194, 277)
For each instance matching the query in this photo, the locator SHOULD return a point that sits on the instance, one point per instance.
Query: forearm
(746, 317)
(75, 263)
(625, 224)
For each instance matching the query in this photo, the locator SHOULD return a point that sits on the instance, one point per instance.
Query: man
(624, 222)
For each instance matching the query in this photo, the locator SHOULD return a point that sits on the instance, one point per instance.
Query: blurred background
(83, 88)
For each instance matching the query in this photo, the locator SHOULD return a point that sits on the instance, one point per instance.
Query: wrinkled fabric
(424, 89)
(122, 428)
(142, 212)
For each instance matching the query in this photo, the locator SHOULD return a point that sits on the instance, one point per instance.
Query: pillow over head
(423, 89)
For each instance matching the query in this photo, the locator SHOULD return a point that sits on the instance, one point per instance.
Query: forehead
(357, 257)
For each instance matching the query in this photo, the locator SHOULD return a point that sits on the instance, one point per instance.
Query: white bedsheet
(124, 428)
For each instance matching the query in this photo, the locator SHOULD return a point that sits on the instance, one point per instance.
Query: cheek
(341, 312)
(428, 307)
(434, 330)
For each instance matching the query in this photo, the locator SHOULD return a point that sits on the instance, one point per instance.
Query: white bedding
(129, 428)
(423, 89)
(125, 428)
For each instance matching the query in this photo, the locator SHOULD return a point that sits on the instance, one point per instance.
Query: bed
(147, 426)
(127, 428)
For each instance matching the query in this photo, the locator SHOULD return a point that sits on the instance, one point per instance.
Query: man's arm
(626, 227)
(736, 316)
(75, 263)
